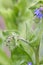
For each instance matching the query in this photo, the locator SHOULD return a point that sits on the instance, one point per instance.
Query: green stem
(37, 55)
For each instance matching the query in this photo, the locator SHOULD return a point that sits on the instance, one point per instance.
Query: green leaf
(35, 41)
(28, 49)
(20, 57)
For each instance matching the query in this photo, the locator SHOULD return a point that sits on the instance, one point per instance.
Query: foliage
(24, 32)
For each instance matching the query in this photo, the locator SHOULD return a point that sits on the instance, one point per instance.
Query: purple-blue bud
(41, 8)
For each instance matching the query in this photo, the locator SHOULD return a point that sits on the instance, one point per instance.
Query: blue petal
(40, 15)
(29, 63)
(37, 11)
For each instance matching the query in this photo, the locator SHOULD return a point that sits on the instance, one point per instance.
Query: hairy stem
(37, 55)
